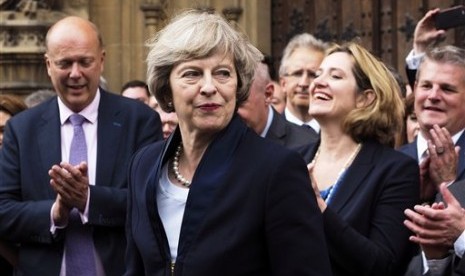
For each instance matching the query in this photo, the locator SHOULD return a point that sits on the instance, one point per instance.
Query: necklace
(343, 169)
(177, 174)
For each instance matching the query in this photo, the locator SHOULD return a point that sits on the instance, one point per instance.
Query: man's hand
(443, 156)
(426, 34)
(71, 183)
(436, 227)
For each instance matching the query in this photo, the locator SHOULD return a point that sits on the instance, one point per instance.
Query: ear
(47, 63)
(365, 98)
(269, 91)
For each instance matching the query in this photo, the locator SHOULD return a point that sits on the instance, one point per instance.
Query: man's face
(137, 93)
(300, 72)
(254, 111)
(74, 62)
(440, 96)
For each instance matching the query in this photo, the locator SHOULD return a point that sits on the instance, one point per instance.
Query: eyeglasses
(300, 73)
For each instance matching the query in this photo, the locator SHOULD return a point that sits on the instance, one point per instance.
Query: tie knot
(76, 119)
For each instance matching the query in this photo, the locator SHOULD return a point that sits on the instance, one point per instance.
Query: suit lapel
(461, 165)
(49, 137)
(410, 150)
(354, 177)
(151, 191)
(109, 135)
(277, 130)
(458, 190)
(211, 174)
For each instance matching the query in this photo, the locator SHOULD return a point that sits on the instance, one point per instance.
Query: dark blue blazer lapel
(277, 128)
(461, 165)
(49, 138)
(410, 149)
(354, 177)
(109, 136)
(168, 150)
(211, 174)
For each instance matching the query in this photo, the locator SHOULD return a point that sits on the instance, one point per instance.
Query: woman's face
(4, 117)
(412, 127)
(333, 93)
(204, 93)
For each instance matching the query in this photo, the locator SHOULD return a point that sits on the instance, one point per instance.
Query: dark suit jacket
(250, 211)
(32, 145)
(288, 134)
(459, 269)
(411, 76)
(364, 220)
(307, 128)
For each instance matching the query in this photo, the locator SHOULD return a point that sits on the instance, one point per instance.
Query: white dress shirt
(293, 119)
(90, 131)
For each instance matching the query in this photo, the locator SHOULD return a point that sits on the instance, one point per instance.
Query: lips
(209, 106)
(76, 87)
(302, 94)
(433, 108)
(322, 96)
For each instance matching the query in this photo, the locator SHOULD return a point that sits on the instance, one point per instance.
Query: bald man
(260, 115)
(40, 187)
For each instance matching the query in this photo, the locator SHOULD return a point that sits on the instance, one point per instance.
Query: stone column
(22, 48)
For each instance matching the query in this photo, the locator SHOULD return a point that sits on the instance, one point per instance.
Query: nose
(208, 87)
(75, 70)
(306, 78)
(434, 93)
(319, 81)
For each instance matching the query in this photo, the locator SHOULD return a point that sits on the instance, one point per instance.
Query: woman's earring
(170, 106)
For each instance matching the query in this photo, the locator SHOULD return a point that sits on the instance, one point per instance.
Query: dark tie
(309, 128)
(79, 245)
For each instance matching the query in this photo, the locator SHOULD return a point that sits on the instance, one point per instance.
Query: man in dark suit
(439, 97)
(301, 58)
(259, 115)
(39, 186)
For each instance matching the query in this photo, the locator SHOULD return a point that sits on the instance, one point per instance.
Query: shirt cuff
(53, 226)
(413, 60)
(85, 215)
(435, 266)
(459, 245)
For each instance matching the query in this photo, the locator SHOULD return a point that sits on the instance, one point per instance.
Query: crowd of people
(216, 165)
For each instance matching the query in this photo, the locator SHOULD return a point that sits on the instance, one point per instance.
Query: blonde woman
(362, 184)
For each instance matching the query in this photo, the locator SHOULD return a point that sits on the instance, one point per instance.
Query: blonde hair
(193, 35)
(382, 119)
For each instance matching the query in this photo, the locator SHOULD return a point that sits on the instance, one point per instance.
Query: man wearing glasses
(301, 58)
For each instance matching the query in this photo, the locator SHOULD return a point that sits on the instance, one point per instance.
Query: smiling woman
(204, 201)
(361, 183)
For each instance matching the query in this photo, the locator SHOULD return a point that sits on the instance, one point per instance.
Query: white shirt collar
(268, 122)
(90, 112)
(292, 118)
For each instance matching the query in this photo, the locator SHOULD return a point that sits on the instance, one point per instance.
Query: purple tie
(79, 245)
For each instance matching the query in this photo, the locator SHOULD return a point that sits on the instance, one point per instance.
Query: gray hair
(195, 35)
(38, 97)
(304, 40)
(444, 54)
